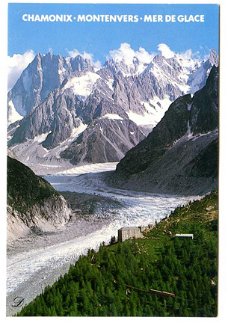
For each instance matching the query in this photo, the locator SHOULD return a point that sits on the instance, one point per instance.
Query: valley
(30, 259)
(94, 149)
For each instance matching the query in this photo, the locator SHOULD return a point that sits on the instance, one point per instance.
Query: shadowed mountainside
(180, 155)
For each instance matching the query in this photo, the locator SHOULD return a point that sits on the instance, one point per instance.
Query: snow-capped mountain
(180, 155)
(74, 111)
(197, 79)
(43, 75)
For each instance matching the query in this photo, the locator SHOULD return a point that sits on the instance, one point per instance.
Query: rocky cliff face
(43, 75)
(180, 155)
(64, 101)
(33, 204)
(106, 140)
(48, 216)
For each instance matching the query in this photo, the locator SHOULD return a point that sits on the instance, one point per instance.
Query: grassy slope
(116, 281)
(24, 188)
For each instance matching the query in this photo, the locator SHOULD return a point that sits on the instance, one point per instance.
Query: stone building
(126, 233)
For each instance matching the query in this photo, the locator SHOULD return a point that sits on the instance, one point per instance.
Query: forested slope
(117, 280)
(33, 205)
(25, 188)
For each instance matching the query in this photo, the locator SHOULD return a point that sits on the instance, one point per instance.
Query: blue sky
(100, 38)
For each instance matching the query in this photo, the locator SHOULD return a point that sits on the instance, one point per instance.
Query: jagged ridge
(180, 154)
(78, 95)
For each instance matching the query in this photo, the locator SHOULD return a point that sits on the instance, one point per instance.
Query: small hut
(126, 233)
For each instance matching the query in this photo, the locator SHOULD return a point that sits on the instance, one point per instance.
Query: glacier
(38, 261)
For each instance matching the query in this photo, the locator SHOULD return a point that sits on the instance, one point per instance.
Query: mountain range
(66, 110)
(180, 155)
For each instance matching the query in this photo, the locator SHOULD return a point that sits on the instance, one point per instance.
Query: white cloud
(127, 54)
(186, 55)
(130, 61)
(85, 55)
(144, 56)
(16, 64)
(165, 51)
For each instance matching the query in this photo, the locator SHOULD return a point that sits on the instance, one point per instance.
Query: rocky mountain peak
(180, 154)
(213, 57)
(79, 64)
(204, 107)
(61, 98)
(43, 75)
(126, 66)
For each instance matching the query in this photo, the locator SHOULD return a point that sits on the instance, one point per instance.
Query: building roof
(129, 228)
(184, 235)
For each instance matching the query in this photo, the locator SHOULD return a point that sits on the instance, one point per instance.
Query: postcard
(112, 166)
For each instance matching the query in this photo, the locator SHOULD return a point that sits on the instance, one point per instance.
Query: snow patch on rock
(154, 110)
(110, 84)
(41, 138)
(13, 115)
(83, 85)
(112, 116)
